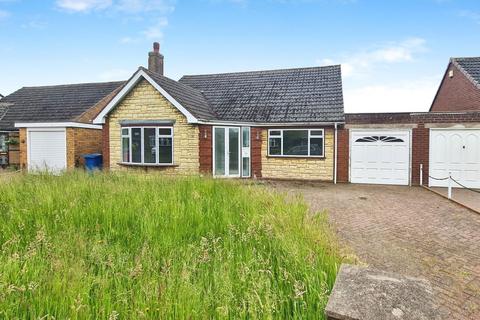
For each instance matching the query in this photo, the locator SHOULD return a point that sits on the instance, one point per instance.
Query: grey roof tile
(192, 99)
(52, 103)
(287, 95)
(470, 67)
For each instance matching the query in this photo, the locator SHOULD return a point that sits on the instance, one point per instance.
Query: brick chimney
(155, 59)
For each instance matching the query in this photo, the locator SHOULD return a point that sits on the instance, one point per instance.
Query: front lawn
(130, 247)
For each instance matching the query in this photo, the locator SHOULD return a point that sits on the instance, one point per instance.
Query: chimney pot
(156, 47)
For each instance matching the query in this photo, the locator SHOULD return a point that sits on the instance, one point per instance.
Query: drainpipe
(336, 158)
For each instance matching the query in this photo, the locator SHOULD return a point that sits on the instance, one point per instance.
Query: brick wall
(144, 102)
(82, 141)
(256, 151)
(205, 149)
(420, 153)
(456, 94)
(299, 168)
(22, 133)
(343, 156)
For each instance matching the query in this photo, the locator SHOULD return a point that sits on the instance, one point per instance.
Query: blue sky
(393, 53)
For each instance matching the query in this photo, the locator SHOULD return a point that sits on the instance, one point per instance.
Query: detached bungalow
(271, 124)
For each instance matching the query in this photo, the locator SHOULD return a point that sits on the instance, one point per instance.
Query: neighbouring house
(460, 87)
(275, 124)
(51, 126)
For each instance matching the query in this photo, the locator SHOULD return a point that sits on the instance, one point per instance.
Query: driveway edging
(452, 200)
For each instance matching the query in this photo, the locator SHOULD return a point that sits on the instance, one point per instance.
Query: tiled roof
(470, 67)
(288, 95)
(52, 103)
(191, 99)
(276, 96)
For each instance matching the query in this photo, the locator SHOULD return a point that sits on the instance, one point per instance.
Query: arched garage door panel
(47, 149)
(380, 157)
(457, 152)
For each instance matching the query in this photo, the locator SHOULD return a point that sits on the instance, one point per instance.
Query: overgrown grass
(130, 247)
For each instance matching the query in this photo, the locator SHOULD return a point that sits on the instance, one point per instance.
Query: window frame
(142, 145)
(310, 136)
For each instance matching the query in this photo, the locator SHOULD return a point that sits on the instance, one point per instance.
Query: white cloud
(83, 5)
(364, 61)
(472, 15)
(152, 11)
(139, 6)
(125, 6)
(4, 14)
(404, 96)
(155, 31)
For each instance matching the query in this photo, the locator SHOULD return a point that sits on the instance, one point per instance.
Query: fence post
(449, 185)
(421, 174)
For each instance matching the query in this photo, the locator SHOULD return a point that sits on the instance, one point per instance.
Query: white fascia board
(57, 125)
(100, 119)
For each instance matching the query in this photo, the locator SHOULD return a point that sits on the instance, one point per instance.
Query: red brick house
(460, 87)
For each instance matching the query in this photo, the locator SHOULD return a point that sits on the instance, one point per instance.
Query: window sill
(128, 164)
(299, 157)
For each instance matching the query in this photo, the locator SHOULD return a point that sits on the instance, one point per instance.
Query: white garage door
(458, 152)
(47, 150)
(380, 157)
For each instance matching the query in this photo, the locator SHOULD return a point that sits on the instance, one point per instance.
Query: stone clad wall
(301, 167)
(144, 102)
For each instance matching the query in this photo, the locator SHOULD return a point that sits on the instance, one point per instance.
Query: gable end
(130, 85)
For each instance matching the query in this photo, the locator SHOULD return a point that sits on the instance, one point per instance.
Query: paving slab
(369, 294)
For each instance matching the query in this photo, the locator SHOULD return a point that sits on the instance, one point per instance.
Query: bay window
(147, 145)
(296, 142)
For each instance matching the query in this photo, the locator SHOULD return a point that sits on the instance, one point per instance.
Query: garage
(380, 156)
(47, 149)
(455, 151)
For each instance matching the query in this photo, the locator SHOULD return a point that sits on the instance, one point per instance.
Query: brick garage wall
(457, 93)
(420, 153)
(22, 134)
(343, 156)
(144, 102)
(299, 168)
(82, 141)
(205, 149)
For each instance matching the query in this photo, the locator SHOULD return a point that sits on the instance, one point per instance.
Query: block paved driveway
(407, 230)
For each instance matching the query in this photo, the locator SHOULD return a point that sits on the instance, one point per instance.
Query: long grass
(129, 247)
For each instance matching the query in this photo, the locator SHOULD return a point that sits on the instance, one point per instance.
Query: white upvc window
(296, 143)
(147, 145)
